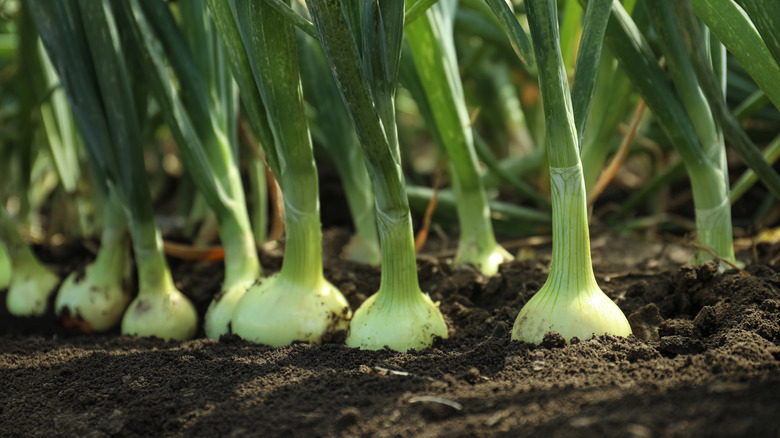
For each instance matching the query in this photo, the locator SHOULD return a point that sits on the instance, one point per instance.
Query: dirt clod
(645, 322)
(553, 340)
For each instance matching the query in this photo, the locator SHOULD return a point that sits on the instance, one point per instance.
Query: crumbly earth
(705, 361)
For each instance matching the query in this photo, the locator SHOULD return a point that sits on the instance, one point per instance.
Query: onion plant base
(363, 250)
(714, 229)
(570, 302)
(220, 312)
(279, 311)
(485, 260)
(591, 312)
(94, 301)
(169, 316)
(29, 290)
(402, 325)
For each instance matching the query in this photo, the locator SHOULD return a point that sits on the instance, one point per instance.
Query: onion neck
(241, 261)
(302, 262)
(477, 242)
(571, 269)
(113, 255)
(713, 213)
(154, 277)
(399, 264)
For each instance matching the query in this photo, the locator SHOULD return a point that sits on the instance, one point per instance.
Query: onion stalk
(339, 139)
(84, 45)
(570, 302)
(709, 179)
(96, 298)
(399, 316)
(732, 25)
(202, 120)
(703, 159)
(432, 47)
(297, 304)
(38, 75)
(93, 299)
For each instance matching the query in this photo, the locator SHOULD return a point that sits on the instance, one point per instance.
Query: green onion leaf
(570, 302)
(399, 315)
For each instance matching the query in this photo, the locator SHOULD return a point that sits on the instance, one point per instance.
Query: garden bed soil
(705, 361)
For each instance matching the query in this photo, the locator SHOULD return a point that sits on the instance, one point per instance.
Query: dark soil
(705, 362)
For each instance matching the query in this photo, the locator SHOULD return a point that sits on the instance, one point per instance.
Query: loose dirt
(705, 361)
